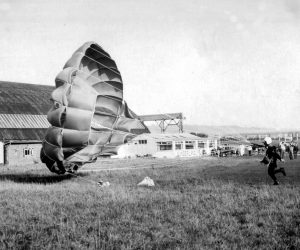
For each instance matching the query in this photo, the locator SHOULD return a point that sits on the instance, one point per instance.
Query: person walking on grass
(270, 160)
(282, 149)
(295, 149)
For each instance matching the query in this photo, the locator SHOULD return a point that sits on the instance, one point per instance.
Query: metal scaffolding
(165, 120)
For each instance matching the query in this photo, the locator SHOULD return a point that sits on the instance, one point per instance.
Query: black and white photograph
(147, 124)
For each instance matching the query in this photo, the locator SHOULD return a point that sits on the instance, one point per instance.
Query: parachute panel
(110, 88)
(106, 121)
(99, 138)
(108, 105)
(54, 136)
(56, 116)
(53, 152)
(77, 119)
(75, 138)
(81, 97)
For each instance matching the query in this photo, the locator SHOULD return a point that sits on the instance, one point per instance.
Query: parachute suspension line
(117, 118)
(114, 130)
(118, 73)
(100, 80)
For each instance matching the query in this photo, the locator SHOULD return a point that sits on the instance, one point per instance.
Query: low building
(167, 146)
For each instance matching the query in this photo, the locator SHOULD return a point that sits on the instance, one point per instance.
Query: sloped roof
(171, 137)
(23, 121)
(24, 98)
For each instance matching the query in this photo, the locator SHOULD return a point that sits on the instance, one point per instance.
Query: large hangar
(23, 121)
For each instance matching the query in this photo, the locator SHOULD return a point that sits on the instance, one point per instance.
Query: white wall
(15, 154)
(1, 153)
(135, 149)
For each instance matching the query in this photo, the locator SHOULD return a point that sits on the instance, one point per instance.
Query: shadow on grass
(35, 178)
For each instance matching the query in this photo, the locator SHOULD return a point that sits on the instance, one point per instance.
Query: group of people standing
(290, 148)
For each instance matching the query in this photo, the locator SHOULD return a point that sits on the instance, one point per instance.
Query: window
(27, 152)
(189, 145)
(201, 144)
(178, 145)
(142, 141)
(165, 145)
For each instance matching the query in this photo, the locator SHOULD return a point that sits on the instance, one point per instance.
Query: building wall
(22, 154)
(1, 152)
(135, 148)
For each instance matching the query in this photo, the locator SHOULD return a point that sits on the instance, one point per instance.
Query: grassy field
(209, 203)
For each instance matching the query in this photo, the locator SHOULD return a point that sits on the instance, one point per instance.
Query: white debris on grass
(103, 184)
(148, 182)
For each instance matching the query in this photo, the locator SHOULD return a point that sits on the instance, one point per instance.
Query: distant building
(234, 144)
(167, 146)
(23, 121)
(276, 137)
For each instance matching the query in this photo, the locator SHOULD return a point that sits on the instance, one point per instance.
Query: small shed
(167, 146)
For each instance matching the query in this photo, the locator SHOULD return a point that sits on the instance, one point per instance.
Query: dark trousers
(272, 171)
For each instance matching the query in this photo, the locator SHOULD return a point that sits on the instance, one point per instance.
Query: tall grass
(227, 203)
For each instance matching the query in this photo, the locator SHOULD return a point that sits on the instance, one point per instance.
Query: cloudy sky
(220, 62)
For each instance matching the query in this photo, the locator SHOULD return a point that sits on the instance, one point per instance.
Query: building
(276, 137)
(167, 146)
(23, 121)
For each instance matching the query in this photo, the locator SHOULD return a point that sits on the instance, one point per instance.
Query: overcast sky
(220, 62)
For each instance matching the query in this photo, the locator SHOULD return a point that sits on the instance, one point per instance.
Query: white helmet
(268, 140)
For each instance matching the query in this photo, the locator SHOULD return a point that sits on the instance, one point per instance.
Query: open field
(208, 203)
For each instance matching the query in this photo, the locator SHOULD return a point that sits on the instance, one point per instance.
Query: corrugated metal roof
(23, 121)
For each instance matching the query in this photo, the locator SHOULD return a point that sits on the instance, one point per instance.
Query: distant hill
(213, 130)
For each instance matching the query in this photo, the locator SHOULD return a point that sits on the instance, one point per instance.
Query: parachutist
(270, 160)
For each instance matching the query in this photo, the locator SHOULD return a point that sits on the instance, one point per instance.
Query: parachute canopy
(89, 117)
